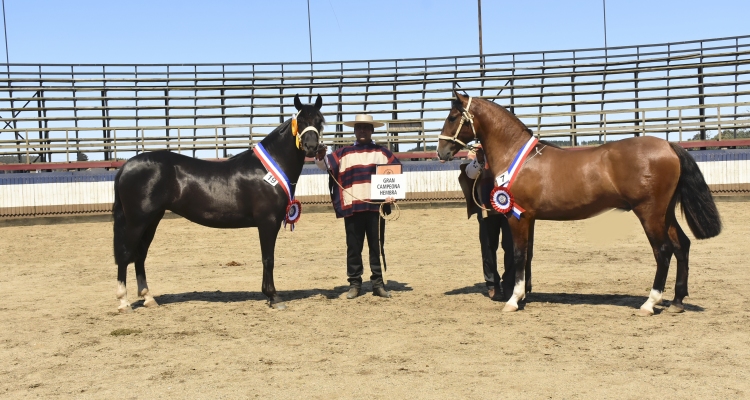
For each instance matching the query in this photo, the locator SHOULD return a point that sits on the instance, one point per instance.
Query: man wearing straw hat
(352, 168)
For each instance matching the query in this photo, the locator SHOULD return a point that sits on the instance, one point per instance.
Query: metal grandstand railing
(55, 113)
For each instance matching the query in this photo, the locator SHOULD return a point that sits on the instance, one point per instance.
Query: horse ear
(458, 101)
(318, 103)
(297, 103)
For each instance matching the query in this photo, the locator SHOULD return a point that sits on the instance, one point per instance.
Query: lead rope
(395, 214)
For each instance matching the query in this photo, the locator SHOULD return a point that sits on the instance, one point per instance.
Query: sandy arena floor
(214, 336)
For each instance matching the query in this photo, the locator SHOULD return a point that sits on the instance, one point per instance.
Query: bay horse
(227, 194)
(644, 174)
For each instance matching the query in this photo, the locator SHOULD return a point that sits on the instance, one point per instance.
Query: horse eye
(451, 119)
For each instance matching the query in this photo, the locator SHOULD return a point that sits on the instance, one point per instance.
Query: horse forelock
(311, 117)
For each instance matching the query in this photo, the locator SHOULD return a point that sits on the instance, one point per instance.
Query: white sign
(270, 179)
(391, 185)
(503, 178)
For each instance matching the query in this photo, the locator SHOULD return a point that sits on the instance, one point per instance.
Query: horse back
(221, 194)
(580, 183)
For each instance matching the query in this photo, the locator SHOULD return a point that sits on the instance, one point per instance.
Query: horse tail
(122, 255)
(698, 205)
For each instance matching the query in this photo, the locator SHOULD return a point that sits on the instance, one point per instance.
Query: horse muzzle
(445, 152)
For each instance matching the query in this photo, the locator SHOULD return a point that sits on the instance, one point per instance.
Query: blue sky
(170, 31)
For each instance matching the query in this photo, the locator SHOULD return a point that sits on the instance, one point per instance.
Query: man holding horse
(491, 223)
(352, 168)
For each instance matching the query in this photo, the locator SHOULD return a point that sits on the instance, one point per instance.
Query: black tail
(698, 205)
(122, 255)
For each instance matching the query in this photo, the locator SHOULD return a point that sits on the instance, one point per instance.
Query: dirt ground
(214, 335)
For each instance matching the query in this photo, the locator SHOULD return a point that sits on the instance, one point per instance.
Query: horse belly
(573, 203)
(215, 216)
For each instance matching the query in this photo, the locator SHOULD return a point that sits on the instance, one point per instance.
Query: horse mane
(524, 127)
(277, 131)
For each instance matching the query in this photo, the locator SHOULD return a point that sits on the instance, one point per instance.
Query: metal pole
(309, 33)
(5, 29)
(604, 8)
(481, 57)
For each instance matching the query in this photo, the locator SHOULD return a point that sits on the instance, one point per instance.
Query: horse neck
(282, 148)
(501, 133)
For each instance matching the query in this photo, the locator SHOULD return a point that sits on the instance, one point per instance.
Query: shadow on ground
(622, 300)
(286, 295)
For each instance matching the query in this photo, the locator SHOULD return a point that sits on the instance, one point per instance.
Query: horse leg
(520, 233)
(655, 226)
(140, 260)
(268, 233)
(681, 244)
(126, 249)
(509, 272)
(529, 255)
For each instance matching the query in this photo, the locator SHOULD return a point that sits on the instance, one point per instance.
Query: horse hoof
(125, 310)
(510, 308)
(279, 306)
(644, 313)
(676, 308)
(150, 303)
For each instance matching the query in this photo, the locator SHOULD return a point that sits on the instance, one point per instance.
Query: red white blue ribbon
(274, 169)
(506, 179)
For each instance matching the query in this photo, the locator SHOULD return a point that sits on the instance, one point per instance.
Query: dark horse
(644, 174)
(227, 194)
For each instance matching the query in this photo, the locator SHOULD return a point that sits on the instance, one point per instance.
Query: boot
(381, 292)
(495, 293)
(354, 291)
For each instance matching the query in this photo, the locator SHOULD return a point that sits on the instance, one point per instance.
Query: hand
(390, 200)
(480, 156)
(321, 152)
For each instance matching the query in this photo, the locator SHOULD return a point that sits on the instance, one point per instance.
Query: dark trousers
(358, 226)
(490, 229)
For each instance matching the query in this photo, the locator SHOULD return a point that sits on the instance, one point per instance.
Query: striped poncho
(352, 167)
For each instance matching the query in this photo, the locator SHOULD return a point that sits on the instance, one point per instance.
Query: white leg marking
(122, 295)
(519, 293)
(148, 299)
(653, 299)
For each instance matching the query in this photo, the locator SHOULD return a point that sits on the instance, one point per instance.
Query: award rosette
(501, 199)
(293, 212)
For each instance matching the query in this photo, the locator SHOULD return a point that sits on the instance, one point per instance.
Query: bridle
(465, 116)
(298, 138)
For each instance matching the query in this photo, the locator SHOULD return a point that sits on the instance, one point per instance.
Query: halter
(465, 116)
(298, 137)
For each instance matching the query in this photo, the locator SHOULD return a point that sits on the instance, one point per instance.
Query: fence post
(216, 140)
(179, 142)
(27, 148)
(643, 123)
(718, 122)
(67, 149)
(680, 124)
(604, 128)
(538, 124)
(114, 142)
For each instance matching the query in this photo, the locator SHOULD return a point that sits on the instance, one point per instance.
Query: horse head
(309, 125)
(458, 129)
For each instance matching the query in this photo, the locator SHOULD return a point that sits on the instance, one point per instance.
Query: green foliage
(726, 134)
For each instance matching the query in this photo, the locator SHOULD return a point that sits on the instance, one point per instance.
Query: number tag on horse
(270, 179)
(503, 178)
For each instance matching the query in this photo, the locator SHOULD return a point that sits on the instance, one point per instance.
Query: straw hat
(364, 119)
